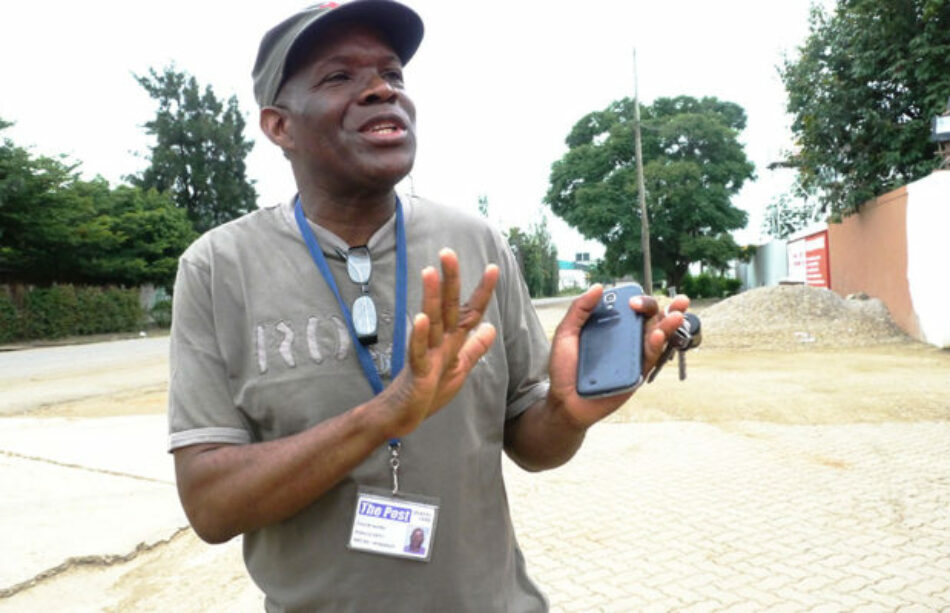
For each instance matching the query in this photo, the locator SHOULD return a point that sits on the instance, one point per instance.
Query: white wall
(572, 278)
(928, 255)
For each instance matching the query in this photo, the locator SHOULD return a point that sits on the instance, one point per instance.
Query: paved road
(32, 378)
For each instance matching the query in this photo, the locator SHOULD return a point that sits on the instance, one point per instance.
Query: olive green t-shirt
(260, 350)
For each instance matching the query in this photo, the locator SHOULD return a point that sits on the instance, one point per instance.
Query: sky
(497, 86)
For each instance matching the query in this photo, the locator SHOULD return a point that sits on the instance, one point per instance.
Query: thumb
(579, 311)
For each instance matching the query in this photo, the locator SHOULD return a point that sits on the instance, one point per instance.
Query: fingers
(644, 305)
(440, 299)
(419, 345)
(432, 304)
(450, 289)
(581, 308)
(680, 303)
(476, 345)
(658, 336)
(474, 308)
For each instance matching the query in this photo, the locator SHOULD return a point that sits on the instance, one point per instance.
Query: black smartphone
(611, 351)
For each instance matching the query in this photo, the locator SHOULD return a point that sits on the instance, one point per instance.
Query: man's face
(352, 125)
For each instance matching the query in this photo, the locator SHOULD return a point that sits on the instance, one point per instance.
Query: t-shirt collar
(384, 239)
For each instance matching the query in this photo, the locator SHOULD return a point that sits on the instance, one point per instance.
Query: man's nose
(378, 89)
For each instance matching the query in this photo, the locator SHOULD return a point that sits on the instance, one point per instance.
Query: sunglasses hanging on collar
(359, 267)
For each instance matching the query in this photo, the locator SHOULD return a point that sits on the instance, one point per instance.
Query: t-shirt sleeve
(200, 405)
(526, 344)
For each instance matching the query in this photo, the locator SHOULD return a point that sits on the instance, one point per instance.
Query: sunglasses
(359, 267)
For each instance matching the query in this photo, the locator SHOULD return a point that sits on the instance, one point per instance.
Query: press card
(401, 526)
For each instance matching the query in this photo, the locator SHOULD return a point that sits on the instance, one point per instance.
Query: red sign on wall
(817, 272)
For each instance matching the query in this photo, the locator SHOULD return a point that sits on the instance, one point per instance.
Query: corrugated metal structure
(768, 267)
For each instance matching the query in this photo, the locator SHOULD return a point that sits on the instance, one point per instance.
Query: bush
(162, 313)
(709, 286)
(9, 322)
(109, 310)
(65, 310)
(50, 312)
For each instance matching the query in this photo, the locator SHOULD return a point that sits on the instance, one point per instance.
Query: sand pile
(797, 317)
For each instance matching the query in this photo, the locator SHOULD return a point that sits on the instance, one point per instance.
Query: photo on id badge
(418, 541)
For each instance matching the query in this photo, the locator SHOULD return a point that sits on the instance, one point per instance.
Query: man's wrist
(371, 419)
(561, 417)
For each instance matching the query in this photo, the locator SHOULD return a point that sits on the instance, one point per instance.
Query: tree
(693, 165)
(199, 150)
(862, 91)
(139, 237)
(34, 215)
(537, 257)
(483, 206)
(57, 228)
(786, 215)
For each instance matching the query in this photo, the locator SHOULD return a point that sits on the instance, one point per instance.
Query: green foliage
(483, 206)
(572, 290)
(9, 322)
(747, 253)
(199, 150)
(66, 310)
(50, 312)
(600, 273)
(35, 215)
(161, 313)
(56, 227)
(537, 257)
(708, 286)
(108, 310)
(786, 215)
(145, 234)
(693, 165)
(863, 90)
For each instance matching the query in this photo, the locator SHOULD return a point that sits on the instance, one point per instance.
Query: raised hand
(446, 342)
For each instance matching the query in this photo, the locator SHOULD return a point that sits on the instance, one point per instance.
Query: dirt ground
(902, 381)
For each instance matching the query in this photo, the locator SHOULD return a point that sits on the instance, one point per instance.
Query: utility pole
(641, 190)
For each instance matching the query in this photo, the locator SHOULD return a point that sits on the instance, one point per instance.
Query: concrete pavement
(744, 517)
(82, 489)
(675, 516)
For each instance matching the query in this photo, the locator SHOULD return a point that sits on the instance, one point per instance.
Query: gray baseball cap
(401, 26)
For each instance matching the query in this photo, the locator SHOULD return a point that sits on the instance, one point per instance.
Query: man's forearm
(228, 490)
(543, 436)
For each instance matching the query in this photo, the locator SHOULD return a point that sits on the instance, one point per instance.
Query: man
(293, 421)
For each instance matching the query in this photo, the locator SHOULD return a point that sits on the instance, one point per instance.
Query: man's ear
(274, 122)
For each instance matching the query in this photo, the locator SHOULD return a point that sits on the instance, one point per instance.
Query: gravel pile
(794, 317)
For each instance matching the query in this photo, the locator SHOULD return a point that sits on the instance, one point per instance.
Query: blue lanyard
(402, 276)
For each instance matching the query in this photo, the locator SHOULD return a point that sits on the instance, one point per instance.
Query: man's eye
(336, 77)
(393, 76)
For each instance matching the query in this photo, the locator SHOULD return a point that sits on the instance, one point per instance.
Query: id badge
(402, 526)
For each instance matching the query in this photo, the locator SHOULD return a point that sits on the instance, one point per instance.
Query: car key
(664, 358)
(686, 337)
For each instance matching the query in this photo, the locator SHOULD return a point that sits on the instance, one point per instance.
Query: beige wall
(868, 253)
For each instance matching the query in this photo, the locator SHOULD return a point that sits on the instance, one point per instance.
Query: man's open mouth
(383, 127)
